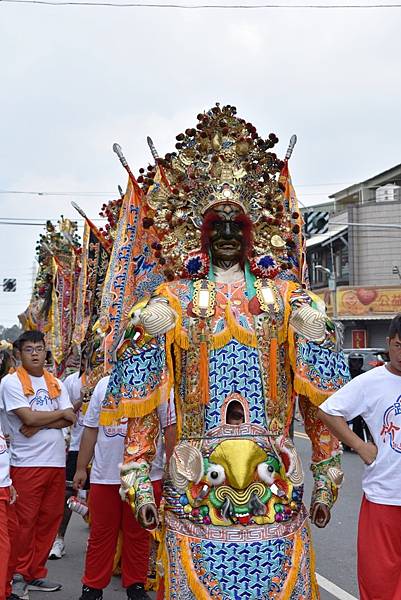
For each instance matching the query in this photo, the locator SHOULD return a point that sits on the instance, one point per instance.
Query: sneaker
(43, 585)
(136, 591)
(89, 593)
(58, 549)
(20, 587)
(14, 597)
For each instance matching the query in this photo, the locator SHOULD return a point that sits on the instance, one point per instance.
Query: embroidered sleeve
(326, 456)
(319, 366)
(139, 451)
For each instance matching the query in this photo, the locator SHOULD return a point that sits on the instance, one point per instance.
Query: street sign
(316, 221)
(9, 285)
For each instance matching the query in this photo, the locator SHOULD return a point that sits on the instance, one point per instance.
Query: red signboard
(359, 338)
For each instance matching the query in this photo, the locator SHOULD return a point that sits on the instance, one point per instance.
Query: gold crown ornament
(223, 159)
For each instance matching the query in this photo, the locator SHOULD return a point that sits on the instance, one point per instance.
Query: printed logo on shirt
(41, 401)
(3, 444)
(116, 430)
(392, 426)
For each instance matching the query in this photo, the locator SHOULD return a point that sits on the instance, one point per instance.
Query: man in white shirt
(8, 522)
(375, 396)
(37, 408)
(107, 511)
(73, 384)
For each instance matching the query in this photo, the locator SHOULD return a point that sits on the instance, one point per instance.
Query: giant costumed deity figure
(235, 334)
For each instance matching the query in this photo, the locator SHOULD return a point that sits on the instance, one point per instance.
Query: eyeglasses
(33, 349)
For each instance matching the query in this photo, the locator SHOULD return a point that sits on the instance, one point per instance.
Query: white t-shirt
(375, 396)
(5, 480)
(109, 449)
(73, 383)
(46, 448)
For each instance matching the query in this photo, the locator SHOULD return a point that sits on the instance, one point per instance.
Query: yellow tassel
(273, 370)
(315, 587)
(163, 557)
(305, 388)
(195, 585)
(180, 335)
(203, 366)
(293, 574)
(134, 408)
(221, 339)
(283, 331)
(244, 336)
(117, 555)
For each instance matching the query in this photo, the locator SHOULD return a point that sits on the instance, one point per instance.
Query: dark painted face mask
(226, 237)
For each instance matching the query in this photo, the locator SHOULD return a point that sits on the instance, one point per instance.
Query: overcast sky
(76, 79)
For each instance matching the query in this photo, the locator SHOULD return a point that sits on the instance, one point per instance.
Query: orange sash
(53, 386)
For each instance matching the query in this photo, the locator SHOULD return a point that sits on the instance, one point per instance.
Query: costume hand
(29, 430)
(13, 494)
(80, 478)
(367, 451)
(320, 514)
(69, 415)
(148, 517)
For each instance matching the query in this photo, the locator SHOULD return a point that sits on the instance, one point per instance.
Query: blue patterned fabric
(257, 570)
(326, 369)
(137, 375)
(234, 369)
(244, 571)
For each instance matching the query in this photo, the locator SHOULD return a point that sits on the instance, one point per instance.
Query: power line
(204, 6)
(45, 193)
(29, 193)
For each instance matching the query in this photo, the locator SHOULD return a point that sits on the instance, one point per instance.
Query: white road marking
(333, 589)
(324, 583)
(301, 434)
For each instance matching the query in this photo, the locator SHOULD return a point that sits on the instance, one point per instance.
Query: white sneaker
(20, 587)
(58, 549)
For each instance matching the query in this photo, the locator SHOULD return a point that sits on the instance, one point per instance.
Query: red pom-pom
(147, 222)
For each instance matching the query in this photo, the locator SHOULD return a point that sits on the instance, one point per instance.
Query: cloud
(75, 80)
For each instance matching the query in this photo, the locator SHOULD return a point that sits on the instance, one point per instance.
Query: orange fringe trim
(273, 369)
(294, 572)
(233, 330)
(315, 587)
(132, 409)
(203, 366)
(195, 585)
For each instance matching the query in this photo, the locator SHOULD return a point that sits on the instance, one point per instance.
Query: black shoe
(136, 591)
(13, 597)
(89, 593)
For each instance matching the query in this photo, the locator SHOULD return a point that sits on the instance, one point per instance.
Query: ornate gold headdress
(222, 159)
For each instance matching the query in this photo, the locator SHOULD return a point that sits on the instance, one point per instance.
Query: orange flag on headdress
(133, 272)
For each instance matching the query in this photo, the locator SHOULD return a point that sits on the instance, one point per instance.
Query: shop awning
(322, 239)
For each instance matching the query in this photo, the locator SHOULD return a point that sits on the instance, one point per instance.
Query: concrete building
(356, 264)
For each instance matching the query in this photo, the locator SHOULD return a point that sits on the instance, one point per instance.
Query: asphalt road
(335, 546)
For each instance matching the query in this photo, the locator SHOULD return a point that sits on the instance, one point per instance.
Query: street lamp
(332, 285)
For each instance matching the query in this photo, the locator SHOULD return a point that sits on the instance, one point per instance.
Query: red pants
(39, 510)
(108, 515)
(8, 531)
(379, 551)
